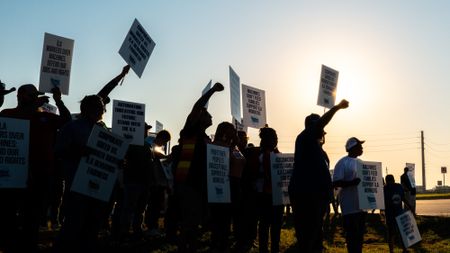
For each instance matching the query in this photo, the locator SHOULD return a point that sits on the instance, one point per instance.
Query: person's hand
(56, 94)
(125, 70)
(6, 92)
(343, 104)
(218, 87)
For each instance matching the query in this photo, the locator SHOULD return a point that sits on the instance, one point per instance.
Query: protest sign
(129, 121)
(239, 126)
(46, 107)
(254, 105)
(411, 173)
(158, 126)
(281, 166)
(408, 229)
(327, 87)
(370, 189)
(235, 94)
(206, 89)
(97, 173)
(218, 170)
(14, 144)
(56, 63)
(137, 48)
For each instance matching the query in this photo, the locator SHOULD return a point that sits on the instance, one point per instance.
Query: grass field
(435, 232)
(427, 196)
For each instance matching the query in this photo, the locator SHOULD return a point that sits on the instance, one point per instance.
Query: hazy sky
(393, 58)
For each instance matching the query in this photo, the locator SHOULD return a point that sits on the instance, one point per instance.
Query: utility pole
(423, 161)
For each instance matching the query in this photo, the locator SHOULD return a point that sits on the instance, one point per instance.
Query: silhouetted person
(409, 188)
(41, 170)
(345, 177)
(190, 172)
(84, 215)
(310, 189)
(104, 92)
(393, 198)
(4, 92)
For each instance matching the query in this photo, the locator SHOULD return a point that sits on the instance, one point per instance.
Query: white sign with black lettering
(408, 229)
(97, 173)
(218, 170)
(235, 94)
(282, 166)
(327, 87)
(14, 144)
(56, 63)
(411, 173)
(137, 48)
(254, 106)
(129, 121)
(370, 189)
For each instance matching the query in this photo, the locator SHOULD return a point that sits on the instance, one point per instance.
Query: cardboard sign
(129, 121)
(137, 48)
(56, 63)
(327, 87)
(206, 89)
(235, 94)
(158, 126)
(14, 144)
(282, 166)
(370, 189)
(254, 105)
(97, 173)
(218, 170)
(411, 173)
(408, 229)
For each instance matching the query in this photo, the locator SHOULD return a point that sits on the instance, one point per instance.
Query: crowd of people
(152, 183)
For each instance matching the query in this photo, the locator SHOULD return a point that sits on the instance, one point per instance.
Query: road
(435, 207)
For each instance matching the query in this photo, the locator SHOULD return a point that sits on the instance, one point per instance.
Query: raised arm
(4, 92)
(104, 92)
(201, 102)
(325, 119)
(64, 113)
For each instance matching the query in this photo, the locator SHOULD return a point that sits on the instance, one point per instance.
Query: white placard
(327, 87)
(129, 121)
(408, 229)
(235, 94)
(46, 107)
(137, 48)
(206, 89)
(411, 174)
(254, 106)
(97, 173)
(158, 126)
(218, 170)
(370, 189)
(14, 145)
(239, 126)
(281, 166)
(56, 63)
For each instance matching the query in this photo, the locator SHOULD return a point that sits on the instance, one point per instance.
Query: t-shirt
(346, 170)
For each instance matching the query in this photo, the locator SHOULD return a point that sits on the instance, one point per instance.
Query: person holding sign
(310, 188)
(190, 171)
(42, 172)
(410, 189)
(345, 177)
(393, 198)
(83, 215)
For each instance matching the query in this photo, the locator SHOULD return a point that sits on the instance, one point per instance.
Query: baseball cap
(29, 89)
(353, 141)
(311, 119)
